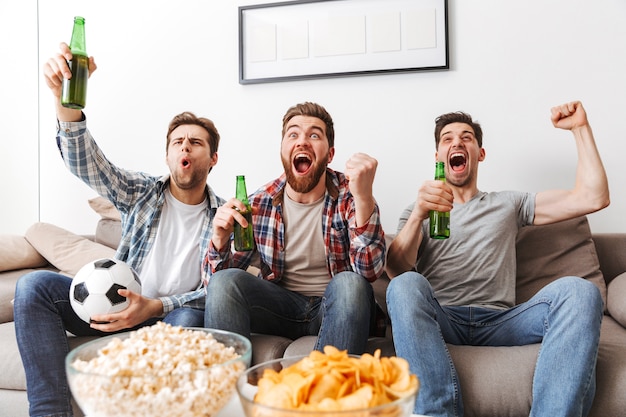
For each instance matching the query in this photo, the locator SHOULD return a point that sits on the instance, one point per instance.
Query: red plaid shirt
(348, 248)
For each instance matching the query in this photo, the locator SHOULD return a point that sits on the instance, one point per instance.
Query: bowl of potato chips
(329, 383)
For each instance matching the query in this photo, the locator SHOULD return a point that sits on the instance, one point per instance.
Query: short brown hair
(457, 117)
(311, 110)
(188, 118)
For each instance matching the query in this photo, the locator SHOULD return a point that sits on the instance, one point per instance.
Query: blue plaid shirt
(348, 247)
(138, 197)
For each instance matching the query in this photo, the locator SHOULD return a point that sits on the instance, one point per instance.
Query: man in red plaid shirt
(318, 245)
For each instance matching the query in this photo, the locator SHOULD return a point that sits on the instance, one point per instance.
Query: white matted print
(330, 38)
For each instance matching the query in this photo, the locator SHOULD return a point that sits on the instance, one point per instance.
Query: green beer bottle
(74, 90)
(439, 220)
(244, 238)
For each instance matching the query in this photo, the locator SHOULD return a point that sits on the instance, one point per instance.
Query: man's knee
(222, 281)
(28, 281)
(409, 284)
(588, 293)
(33, 282)
(577, 293)
(349, 287)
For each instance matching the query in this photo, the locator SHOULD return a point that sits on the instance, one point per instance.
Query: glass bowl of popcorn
(157, 370)
(329, 383)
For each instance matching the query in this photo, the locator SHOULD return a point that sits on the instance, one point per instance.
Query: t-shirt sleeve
(404, 217)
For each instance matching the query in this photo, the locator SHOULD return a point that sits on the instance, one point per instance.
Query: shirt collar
(164, 182)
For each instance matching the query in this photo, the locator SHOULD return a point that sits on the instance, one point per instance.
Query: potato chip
(332, 380)
(287, 392)
(326, 387)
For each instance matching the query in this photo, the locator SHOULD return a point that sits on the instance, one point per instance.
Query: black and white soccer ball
(94, 288)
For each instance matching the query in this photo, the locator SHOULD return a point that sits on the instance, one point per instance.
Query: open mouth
(185, 162)
(457, 161)
(302, 163)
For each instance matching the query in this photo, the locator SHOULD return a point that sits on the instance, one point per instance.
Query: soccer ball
(94, 288)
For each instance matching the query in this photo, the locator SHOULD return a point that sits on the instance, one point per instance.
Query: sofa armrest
(616, 299)
(7, 291)
(611, 249)
(67, 251)
(17, 253)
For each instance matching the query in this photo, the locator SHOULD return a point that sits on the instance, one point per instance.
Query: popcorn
(158, 370)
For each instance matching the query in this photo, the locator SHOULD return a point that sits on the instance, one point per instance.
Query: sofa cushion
(495, 380)
(109, 228)
(8, 279)
(67, 251)
(616, 299)
(611, 371)
(267, 347)
(109, 233)
(17, 253)
(104, 208)
(548, 252)
(12, 375)
(305, 344)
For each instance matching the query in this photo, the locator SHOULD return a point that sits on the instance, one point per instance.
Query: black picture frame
(310, 39)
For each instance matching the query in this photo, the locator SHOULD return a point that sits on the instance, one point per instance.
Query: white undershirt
(173, 265)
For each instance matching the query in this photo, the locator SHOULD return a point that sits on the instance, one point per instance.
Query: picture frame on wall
(309, 39)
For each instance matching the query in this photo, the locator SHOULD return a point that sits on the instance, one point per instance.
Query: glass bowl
(127, 374)
(247, 388)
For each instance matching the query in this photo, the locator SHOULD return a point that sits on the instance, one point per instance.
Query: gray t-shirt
(476, 265)
(306, 270)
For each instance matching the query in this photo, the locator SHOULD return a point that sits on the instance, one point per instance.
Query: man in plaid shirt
(319, 244)
(160, 215)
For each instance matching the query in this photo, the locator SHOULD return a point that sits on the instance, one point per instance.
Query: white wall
(510, 62)
(19, 152)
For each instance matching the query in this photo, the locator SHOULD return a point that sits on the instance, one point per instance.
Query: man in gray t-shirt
(461, 290)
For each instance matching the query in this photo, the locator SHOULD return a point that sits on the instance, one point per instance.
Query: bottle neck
(240, 193)
(77, 43)
(440, 172)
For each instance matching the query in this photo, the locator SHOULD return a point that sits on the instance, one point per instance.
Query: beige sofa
(496, 381)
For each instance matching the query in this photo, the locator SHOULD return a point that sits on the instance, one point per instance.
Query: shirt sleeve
(214, 261)
(191, 299)
(367, 247)
(404, 217)
(84, 158)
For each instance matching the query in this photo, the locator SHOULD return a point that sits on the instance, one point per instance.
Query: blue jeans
(43, 314)
(564, 316)
(243, 303)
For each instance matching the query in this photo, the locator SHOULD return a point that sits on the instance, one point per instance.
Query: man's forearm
(402, 252)
(591, 180)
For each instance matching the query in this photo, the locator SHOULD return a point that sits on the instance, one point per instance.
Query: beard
(307, 183)
(190, 180)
